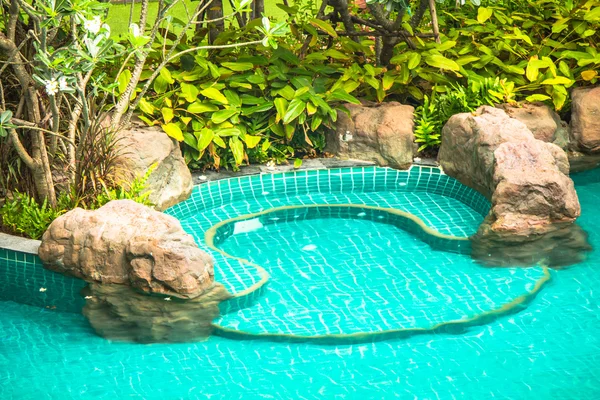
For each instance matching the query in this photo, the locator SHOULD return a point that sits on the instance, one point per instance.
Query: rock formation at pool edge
(127, 243)
(525, 178)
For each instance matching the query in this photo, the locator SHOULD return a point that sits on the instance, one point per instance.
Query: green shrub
(22, 214)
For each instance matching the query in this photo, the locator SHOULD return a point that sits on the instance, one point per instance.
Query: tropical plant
(435, 112)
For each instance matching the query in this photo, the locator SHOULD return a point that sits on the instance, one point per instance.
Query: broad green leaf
(166, 75)
(219, 142)
(189, 92)
(387, 81)
(294, 110)
(297, 163)
(251, 141)
(214, 94)
(228, 132)
(174, 131)
(223, 115)
(442, 62)
(336, 55)
(266, 144)
(592, 15)
(205, 137)
(343, 96)
(160, 85)
(564, 68)
(448, 44)
(198, 108)
(324, 26)
(316, 122)
(237, 149)
(281, 105)
(238, 66)
(464, 60)
(167, 114)
(311, 108)
(483, 14)
(413, 60)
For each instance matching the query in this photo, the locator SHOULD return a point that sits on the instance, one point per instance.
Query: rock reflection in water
(118, 312)
(561, 248)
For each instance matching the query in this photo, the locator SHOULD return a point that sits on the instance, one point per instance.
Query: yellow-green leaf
(413, 60)
(214, 94)
(205, 137)
(167, 114)
(483, 14)
(222, 116)
(198, 108)
(219, 142)
(589, 74)
(442, 62)
(317, 23)
(532, 70)
(166, 75)
(559, 80)
(294, 110)
(251, 141)
(336, 54)
(238, 66)
(537, 97)
(592, 15)
(146, 107)
(237, 149)
(174, 131)
(189, 92)
(124, 79)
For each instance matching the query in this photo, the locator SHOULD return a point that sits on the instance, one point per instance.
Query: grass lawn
(118, 14)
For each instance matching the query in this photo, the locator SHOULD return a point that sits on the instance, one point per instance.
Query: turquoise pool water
(548, 349)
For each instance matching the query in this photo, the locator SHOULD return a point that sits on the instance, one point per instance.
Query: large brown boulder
(382, 133)
(127, 243)
(143, 147)
(542, 121)
(526, 179)
(585, 119)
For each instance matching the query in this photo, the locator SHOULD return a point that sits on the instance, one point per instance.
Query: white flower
(93, 25)
(135, 31)
(63, 84)
(266, 23)
(52, 87)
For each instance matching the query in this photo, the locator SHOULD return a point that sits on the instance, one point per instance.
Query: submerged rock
(143, 147)
(118, 312)
(561, 248)
(585, 119)
(382, 133)
(525, 178)
(127, 243)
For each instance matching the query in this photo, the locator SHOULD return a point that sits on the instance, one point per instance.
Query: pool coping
(18, 243)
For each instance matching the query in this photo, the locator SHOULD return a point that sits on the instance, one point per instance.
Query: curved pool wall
(442, 203)
(550, 350)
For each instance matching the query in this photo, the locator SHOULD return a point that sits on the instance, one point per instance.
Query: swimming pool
(548, 349)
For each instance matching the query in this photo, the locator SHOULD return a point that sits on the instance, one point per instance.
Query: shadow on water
(559, 249)
(120, 313)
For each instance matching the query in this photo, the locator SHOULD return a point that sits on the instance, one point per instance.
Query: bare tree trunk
(259, 8)
(215, 11)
